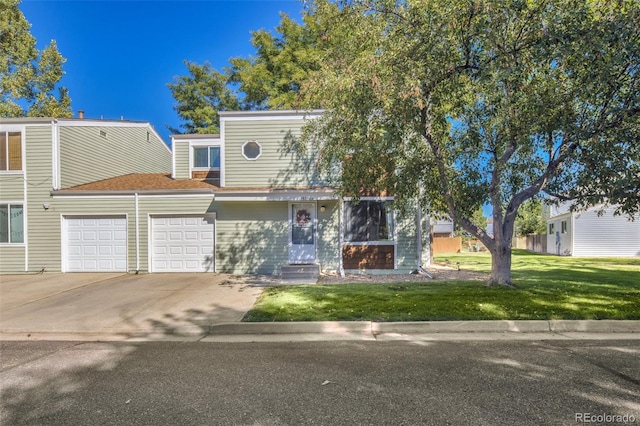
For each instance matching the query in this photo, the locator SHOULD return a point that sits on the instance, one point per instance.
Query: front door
(302, 242)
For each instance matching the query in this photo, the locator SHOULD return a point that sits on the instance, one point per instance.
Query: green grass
(548, 287)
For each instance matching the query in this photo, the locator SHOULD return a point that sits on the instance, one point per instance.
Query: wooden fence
(537, 243)
(447, 245)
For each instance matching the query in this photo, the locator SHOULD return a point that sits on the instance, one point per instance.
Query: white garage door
(182, 244)
(96, 244)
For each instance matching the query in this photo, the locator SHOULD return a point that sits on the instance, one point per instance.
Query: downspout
(136, 204)
(419, 237)
(420, 268)
(340, 237)
(55, 154)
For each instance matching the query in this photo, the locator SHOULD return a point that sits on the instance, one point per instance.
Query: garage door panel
(96, 244)
(182, 244)
(175, 236)
(192, 250)
(105, 250)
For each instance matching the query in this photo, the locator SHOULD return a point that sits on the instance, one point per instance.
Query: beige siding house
(96, 195)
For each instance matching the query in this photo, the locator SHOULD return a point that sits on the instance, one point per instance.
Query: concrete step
(300, 273)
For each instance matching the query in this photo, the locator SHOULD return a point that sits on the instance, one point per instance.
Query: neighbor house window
(10, 151)
(11, 223)
(551, 227)
(368, 221)
(563, 227)
(206, 157)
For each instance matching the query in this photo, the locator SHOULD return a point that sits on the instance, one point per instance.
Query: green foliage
(550, 287)
(28, 78)
(200, 96)
(479, 219)
(529, 219)
(483, 102)
(272, 79)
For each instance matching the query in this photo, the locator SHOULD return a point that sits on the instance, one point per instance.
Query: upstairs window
(11, 223)
(251, 150)
(10, 151)
(368, 221)
(206, 157)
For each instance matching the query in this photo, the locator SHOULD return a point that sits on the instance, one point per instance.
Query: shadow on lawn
(586, 293)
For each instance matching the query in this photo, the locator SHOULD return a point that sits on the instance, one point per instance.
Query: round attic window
(251, 150)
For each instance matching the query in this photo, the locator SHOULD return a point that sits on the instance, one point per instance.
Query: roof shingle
(143, 182)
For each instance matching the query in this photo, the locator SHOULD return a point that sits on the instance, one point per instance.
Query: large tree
(200, 96)
(269, 79)
(28, 77)
(482, 101)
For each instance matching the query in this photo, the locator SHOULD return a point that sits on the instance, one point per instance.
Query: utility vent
(103, 134)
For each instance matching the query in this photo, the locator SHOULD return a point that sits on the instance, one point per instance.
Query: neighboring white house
(589, 234)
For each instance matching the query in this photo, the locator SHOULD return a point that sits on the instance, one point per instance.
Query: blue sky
(121, 54)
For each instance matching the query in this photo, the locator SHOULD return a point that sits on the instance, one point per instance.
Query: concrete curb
(330, 327)
(427, 327)
(345, 330)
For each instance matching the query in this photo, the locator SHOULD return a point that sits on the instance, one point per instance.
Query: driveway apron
(122, 304)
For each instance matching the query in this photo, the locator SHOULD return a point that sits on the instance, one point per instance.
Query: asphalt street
(320, 383)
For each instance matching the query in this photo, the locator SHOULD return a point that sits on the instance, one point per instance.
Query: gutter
(130, 192)
(137, 220)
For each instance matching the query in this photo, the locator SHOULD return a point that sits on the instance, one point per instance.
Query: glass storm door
(302, 246)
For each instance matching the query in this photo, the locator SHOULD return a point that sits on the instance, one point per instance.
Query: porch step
(300, 274)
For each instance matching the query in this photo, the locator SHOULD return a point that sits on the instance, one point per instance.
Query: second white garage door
(182, 244)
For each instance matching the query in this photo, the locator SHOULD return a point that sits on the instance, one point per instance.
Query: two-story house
(95, 195)
(42, 155)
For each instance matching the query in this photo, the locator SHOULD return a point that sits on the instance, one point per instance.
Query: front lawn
(548, 287)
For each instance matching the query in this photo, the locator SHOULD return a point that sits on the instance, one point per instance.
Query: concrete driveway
(120, 306)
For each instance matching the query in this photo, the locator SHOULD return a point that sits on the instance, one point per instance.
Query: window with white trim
(206, 157)
(10, 151)
(12, 223)
(563, 227)
(251, 150)
(368, 221)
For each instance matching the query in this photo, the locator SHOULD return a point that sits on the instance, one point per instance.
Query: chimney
(81, 114)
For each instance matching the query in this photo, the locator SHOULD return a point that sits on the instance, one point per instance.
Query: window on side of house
(10, 151)
(563, 227)
(368, 221)
(206, 157)
(11, 223)
(551, 227)
(251, 150)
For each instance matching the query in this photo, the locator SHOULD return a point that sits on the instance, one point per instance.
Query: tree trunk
(500, 265)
